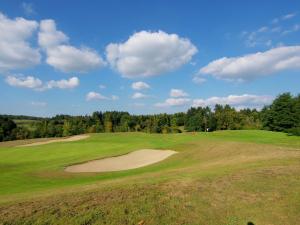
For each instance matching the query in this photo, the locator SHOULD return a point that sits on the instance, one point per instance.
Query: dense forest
(282, 115)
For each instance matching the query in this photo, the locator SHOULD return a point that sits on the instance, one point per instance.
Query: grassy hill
(225, 177)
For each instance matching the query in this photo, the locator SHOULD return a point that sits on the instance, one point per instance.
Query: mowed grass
(225, 177)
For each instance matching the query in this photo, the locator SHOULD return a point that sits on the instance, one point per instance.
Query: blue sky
(145, 56)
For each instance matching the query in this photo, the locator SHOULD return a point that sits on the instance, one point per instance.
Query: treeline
(282, 115)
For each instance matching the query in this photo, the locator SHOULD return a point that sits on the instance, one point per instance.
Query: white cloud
(199, 80)
(175, 93)
(147, 54)
(63, 56)
(67, 58)
(263, 29)
(49, 36)
(284, 17)
(266, 36)
(254, 65)
(139, 95)
(140, 85)
(63, 84)
(36, 84)
(95, 96)
(245, 100)
(101, 86)
(288, 16)
(40, 104)
(15, 50)
(174, 102)
(24, 82)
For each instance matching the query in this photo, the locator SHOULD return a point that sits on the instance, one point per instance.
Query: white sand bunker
(131, 160)
(69, 139)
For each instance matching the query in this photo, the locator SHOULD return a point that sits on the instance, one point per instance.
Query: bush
(294, 131)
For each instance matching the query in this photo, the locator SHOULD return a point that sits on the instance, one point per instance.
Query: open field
(225, 177)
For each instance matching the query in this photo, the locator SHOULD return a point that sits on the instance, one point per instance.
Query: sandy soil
(73, 138)
(131, 160)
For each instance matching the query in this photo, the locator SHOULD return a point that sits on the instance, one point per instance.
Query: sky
(145, 57)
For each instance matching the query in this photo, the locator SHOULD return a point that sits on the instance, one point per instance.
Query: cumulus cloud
(63, 84)
(245, 100)
(95, 96)
(49, 36)
(140, 85)
(15, 50)
(63, 56)
(36, 84)
(147, 54)
(69, 59)
(24, 82)
(174, 102)
(254, 65)
(92, 95)
(139, 95)
(175, 93)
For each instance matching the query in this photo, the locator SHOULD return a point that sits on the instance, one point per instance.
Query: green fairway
(224, 177)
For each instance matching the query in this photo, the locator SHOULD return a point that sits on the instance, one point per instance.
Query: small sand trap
(131, 160)
(69, 139)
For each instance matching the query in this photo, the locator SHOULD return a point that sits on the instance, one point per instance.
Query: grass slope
(228, 177)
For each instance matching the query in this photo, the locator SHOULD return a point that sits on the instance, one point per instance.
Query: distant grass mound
(224, 177)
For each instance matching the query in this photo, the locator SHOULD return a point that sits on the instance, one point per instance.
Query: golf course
(221, 177)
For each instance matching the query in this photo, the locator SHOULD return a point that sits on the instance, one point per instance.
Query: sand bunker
(69, 139)
(131, 160)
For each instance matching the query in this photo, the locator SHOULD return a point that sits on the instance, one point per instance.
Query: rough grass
(229, 177)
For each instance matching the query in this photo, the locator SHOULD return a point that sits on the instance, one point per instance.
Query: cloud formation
(245, 100)
(36, 84)
(63, 56)
(140, 85)
(92, 95)
(174, 102)
(139, 95)
(63, 84)
(24, 82)
(284, 17)
(147, 54)
(49, 36)
(199, 80)
(175, 93)
(15, 49)
(95, 96)
(254, 65)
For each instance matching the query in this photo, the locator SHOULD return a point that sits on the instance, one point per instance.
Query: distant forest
(282, 115)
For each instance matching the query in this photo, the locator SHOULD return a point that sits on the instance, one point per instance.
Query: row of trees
(282, 115)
